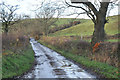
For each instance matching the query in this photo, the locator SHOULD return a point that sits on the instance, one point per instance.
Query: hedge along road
(50, 64)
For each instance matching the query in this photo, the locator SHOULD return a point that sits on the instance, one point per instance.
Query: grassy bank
(15, 64)
(103, 69)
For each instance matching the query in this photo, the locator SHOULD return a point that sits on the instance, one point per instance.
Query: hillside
(35, 24)
(86, 28)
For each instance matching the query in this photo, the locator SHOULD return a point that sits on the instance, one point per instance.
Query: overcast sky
(26, 7)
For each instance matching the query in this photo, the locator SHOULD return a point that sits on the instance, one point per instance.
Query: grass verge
(16, 64)
(103, 69)
(108, 40)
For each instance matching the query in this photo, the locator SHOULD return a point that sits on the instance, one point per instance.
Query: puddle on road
(59, 71)
(49, 57)
(54, 64)
(66, 65)
(80, 70)
(36, 56)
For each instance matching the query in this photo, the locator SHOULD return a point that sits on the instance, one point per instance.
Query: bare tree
(48, 13)
(8, 16)
(97, 11)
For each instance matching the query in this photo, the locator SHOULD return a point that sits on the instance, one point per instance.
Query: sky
(27, 7)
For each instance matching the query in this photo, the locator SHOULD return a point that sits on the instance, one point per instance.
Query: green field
(86, 28)
(62, 21)
(15, 64)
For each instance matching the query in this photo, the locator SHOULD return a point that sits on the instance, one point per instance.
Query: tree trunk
(6, 29)
(99, 32)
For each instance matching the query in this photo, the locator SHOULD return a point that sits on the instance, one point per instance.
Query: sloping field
(86, 28)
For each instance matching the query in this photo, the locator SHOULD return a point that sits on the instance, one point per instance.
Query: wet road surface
(50, 64)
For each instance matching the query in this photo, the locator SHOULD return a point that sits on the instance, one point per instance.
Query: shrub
(14, 42)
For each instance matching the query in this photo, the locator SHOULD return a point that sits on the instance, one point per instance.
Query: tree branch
(87, 12)
(91, 6)
(75, 6)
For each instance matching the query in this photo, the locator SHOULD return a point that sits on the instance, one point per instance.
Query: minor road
(51, 64)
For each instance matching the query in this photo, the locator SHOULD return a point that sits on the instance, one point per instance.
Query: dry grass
(106, 52)
(14, 42)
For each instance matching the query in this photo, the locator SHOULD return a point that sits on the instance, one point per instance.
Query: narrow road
(50, 64)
